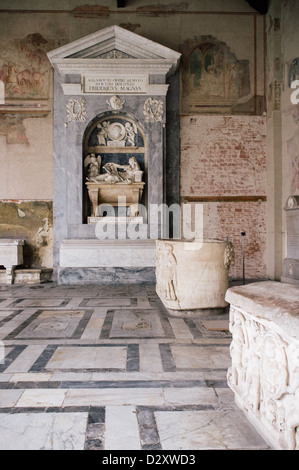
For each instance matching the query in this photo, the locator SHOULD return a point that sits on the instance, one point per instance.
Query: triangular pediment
(112, 44)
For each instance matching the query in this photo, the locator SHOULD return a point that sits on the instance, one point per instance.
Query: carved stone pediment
(112, 49)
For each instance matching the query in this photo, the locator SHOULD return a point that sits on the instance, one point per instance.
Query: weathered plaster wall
(33, 222)
(223, 167)
(290, 111)
(26, 133)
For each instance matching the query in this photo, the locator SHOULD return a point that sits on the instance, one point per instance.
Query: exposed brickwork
(226, 156)
(223, 155)
(229, 220)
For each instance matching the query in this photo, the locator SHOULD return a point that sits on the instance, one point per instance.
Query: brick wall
(223, 166)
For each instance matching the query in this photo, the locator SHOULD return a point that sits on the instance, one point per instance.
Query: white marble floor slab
(121, 421)
(8, 398)
(190, 396)
(197, 357)
(55, 431)
(74, 357)
(115, 397)
(41, 398)
(194, 430)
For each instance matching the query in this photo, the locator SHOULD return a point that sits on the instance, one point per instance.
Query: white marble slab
(107, 253)
(121, 421)
(88, 358)
(195, 430)
(120, 396)
(186, 357)
(190, 396)
(8, 398)
(41, 398)
(45, 431)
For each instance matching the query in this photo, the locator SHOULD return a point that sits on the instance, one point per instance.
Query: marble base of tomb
(115, 220)
(119, 194)
(28, 276)
(107, 261)
(193, 274)
(264, 372)
(11, 255)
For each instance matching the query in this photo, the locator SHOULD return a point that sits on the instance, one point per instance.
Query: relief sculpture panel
(264, 377)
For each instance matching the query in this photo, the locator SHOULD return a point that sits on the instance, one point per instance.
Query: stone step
(27, 276)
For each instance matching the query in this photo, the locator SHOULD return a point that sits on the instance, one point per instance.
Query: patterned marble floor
(109, 368)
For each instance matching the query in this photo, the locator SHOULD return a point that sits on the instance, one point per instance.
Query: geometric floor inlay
(53, 324)
(133, 324)
(85, 357)
(108, 367)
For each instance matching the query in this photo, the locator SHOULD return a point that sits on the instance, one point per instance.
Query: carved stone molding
(76, 110)
(115, 102)
(114, 49)
(153, 110)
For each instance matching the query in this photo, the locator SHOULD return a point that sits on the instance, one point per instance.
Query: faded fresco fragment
(31, 221)
(24, 67)
(213, 78)
(12, 126)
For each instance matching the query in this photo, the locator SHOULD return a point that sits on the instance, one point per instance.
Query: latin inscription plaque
(121, 84)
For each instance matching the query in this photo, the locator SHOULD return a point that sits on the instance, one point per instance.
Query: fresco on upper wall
(25, 68)
(213, 78)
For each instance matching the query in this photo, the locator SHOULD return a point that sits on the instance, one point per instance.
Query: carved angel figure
(131, 131)
(103, 132)
(169, 273)
(92, 164)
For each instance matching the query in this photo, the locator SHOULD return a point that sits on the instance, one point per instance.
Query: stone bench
(11, 255)
(264, 373)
